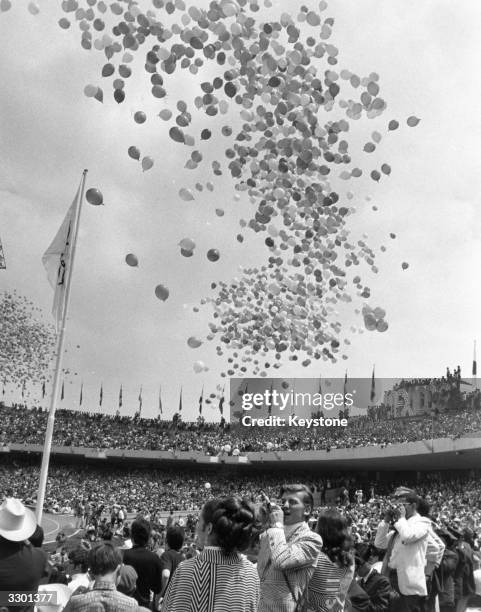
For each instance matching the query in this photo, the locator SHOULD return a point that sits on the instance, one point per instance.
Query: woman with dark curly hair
(219, 579)
(335, 567)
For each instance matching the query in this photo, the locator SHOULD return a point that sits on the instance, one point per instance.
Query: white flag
(56, 261)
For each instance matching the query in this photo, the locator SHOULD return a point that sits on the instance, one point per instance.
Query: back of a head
(104, 558)
(79, 558)
(175, 537)
(303, 490)
(127, 580)
(333, 528)
(140, 531)
(423, 507)
(232, 522)
(363, 552)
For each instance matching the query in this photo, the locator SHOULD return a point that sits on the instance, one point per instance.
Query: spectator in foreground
(334, 571)
(374, 593)
(145, 562)
(405, 557)
(220, 579)
(22, 566)
(171, 558)
(288, 551)
(104, 561)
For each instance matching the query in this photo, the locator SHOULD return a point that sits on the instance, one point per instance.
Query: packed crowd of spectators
(77, 429)
(451, 495)
(132, 545)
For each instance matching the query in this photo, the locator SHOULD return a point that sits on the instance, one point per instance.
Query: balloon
(134, 153)
(186, 194)
(229, 8)
(140, 117)
(108, 70)
(158, 91)
(370, 322)
(199, 367)
(194, 342)
(161, 292)
(119, 96)
(187, 244)
(165, 114)
(213, 255)
(382, 326)
(132, 260)
(90, 91)
(33, 8)
(176, 134)
(147, 163)
(94, 197)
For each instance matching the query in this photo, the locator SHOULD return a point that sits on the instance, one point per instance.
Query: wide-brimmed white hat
(17, 523)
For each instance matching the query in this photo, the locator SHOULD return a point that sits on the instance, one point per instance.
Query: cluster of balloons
(27, 343)
(374, 318)
(289, 156)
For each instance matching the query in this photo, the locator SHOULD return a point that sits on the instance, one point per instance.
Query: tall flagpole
(58, 366)
(475, 367)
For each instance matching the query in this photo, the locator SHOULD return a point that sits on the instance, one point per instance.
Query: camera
(391, 514)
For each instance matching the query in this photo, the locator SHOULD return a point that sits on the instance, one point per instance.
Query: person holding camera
(288, 551)
(404, 535)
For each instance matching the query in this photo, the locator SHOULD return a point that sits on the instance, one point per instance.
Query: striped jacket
(285, 567)
(214, 581)
(328, 586)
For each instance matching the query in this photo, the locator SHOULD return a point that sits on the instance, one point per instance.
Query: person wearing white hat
(22, 566)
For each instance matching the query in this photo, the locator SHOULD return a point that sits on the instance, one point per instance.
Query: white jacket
(408, 556)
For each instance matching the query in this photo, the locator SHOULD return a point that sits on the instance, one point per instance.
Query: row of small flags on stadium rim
(101, 397)
(475, 366)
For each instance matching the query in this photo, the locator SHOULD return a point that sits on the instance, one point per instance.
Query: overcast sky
(427, 55)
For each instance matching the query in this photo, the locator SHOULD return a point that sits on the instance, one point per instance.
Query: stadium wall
(441, 453)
